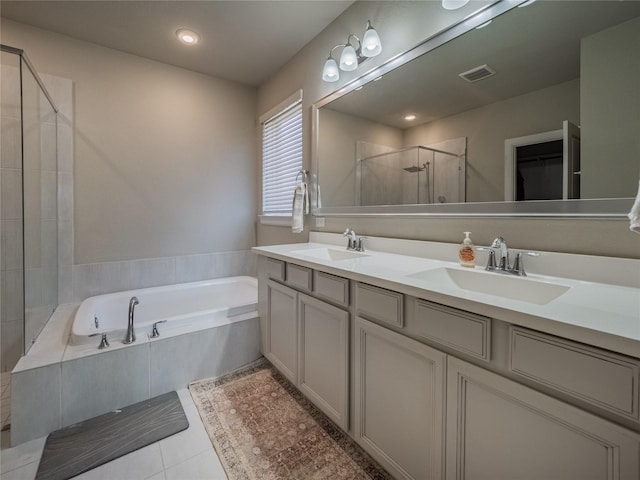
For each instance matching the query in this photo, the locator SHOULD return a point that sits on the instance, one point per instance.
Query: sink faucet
(501, 244)
(351, 238)
(130, 337)
(504, 266)
(353, 243)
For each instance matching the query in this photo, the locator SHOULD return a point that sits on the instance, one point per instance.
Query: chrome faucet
(504, 265)
(501, 244)
(353, 242)
(130, 337)
(351, 238)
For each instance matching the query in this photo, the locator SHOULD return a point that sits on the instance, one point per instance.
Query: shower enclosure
(413, 175)
(29, 205)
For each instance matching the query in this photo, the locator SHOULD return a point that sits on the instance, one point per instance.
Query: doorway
(543, 166)
(539, 171)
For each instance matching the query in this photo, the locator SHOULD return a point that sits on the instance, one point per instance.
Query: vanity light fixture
(453, 4)
(350, 58)
(188, 37)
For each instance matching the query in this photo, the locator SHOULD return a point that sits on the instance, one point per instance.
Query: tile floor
(187, 455)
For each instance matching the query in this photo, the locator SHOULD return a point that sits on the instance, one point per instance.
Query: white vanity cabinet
(307, 339)
(499, 429)
(281, 329)
(323, 365)
(399, 401)
(441, 392)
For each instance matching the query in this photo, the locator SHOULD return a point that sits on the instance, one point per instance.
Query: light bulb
(371, 45)
(188, 37)
(348, 59)
(453, 4)
(330, 72)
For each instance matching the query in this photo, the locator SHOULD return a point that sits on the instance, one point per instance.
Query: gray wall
(610, 58)
(164, 157)
(402, 25)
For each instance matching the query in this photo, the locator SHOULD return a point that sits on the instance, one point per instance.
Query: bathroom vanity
(439, 374)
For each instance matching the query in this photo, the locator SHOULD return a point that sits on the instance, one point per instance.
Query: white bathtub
(185, 307)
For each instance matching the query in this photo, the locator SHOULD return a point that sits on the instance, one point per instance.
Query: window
(281, 156)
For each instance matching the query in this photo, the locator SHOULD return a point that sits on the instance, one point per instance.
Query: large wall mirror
(534, 112)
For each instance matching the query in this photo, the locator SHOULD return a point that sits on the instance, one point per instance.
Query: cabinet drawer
(331, 287)
(275, 269)
(465, 332)
(598, 377)
(299, 277)
(379, 304)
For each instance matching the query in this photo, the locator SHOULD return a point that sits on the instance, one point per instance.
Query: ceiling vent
(478, 73)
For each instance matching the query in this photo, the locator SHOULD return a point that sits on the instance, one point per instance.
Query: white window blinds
(281, 158)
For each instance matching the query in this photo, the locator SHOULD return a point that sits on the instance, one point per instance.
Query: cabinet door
(324, 357)
(281, 339)
(497, 428)
(399, 391)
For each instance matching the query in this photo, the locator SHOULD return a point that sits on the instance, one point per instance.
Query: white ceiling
(243, 41)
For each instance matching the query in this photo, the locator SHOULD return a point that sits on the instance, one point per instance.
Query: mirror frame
(578, 208)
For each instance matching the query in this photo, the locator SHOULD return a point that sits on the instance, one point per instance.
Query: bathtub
(181, 307)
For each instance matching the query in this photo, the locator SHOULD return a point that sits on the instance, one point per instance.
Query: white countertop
(599, 314)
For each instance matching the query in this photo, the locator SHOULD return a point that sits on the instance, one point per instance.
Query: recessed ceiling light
(409, 117)
(188, 37)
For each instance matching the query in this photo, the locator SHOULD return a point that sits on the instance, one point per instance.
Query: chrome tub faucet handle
(154, 331)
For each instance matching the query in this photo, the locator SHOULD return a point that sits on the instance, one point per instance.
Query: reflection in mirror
(539, 104)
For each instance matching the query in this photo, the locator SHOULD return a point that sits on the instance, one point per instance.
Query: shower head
(413, 169)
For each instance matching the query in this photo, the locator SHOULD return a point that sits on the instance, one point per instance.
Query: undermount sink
(497, 284)
(333, 254)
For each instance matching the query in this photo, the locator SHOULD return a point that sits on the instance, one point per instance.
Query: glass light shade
(348, 59)
(453, 4)
(330, 72)
(371, 45)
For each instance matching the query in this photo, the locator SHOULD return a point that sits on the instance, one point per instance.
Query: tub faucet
(130, 337)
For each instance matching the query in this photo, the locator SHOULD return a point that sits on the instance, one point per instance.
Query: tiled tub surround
(92, 279)
(57, 384)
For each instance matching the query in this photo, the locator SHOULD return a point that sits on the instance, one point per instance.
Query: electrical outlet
(319, 221)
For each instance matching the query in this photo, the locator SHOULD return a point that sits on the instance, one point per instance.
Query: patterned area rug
(263, 428)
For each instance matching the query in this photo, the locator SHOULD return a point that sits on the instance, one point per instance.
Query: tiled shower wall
(11, 215)
(11, 174)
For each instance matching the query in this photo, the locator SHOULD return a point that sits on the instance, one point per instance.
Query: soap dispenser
(467, 252)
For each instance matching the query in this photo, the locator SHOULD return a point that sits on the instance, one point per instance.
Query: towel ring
(304, 174)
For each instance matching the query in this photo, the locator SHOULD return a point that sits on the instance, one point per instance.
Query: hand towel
(306, 198)
(298, 208)
(634, 214)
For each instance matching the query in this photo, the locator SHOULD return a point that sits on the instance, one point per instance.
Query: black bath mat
(77, 448)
